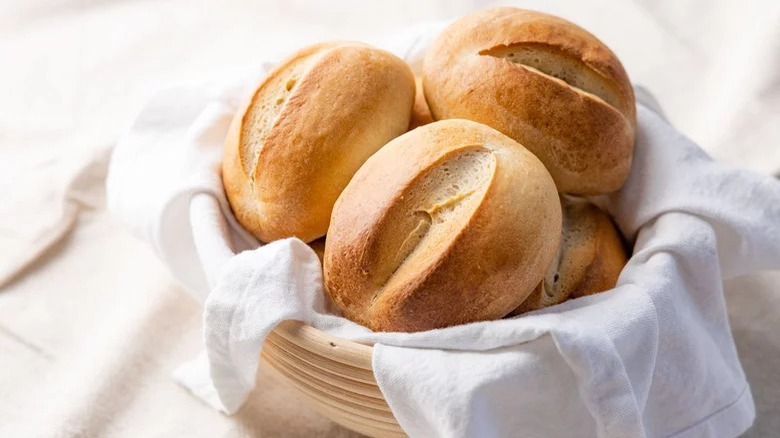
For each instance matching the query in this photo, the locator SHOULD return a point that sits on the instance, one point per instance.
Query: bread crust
(589, 260)
(450, 223)
(585, 142)
(421, 114)
(304, 132)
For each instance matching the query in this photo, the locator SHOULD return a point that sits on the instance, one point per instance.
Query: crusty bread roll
(589, 259)
(421, 114)
(304, 132)
(319, 247)
(450, 223)
(546, 83)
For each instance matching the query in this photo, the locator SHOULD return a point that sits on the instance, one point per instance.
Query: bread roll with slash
(589, 259)
(306, 129)
(544, 82)
(450, 223)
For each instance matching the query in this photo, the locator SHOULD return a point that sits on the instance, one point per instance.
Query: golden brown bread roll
(450, 223)
(319, 247)
(307, 128)
(546, 83)
(421, 114)
(589, 259)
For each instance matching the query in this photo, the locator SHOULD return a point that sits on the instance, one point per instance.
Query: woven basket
(334, 375)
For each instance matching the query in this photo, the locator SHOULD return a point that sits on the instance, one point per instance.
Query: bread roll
(546, 83)
(589, 259)
(304, 132)
(319, 247)
(421, 114)
(450, 223)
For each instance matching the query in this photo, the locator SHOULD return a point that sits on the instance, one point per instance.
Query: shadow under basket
(334, 375)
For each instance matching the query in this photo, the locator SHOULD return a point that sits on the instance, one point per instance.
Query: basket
(334, 375)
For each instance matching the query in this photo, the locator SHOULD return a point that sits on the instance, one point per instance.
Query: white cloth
(654, 357)
(95, 324)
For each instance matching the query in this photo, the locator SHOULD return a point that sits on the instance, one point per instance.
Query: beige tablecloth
(91, 325)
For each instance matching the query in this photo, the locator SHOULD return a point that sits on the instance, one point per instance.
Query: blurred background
(75, 288)
(75, 71)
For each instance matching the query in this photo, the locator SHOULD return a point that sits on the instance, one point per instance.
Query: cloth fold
(653, 357)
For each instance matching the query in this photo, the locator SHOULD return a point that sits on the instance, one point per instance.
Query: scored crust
(543, 81)
(589, 259)
(304, 132)
(450, 223)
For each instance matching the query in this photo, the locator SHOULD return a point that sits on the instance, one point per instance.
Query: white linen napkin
(653, 357)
